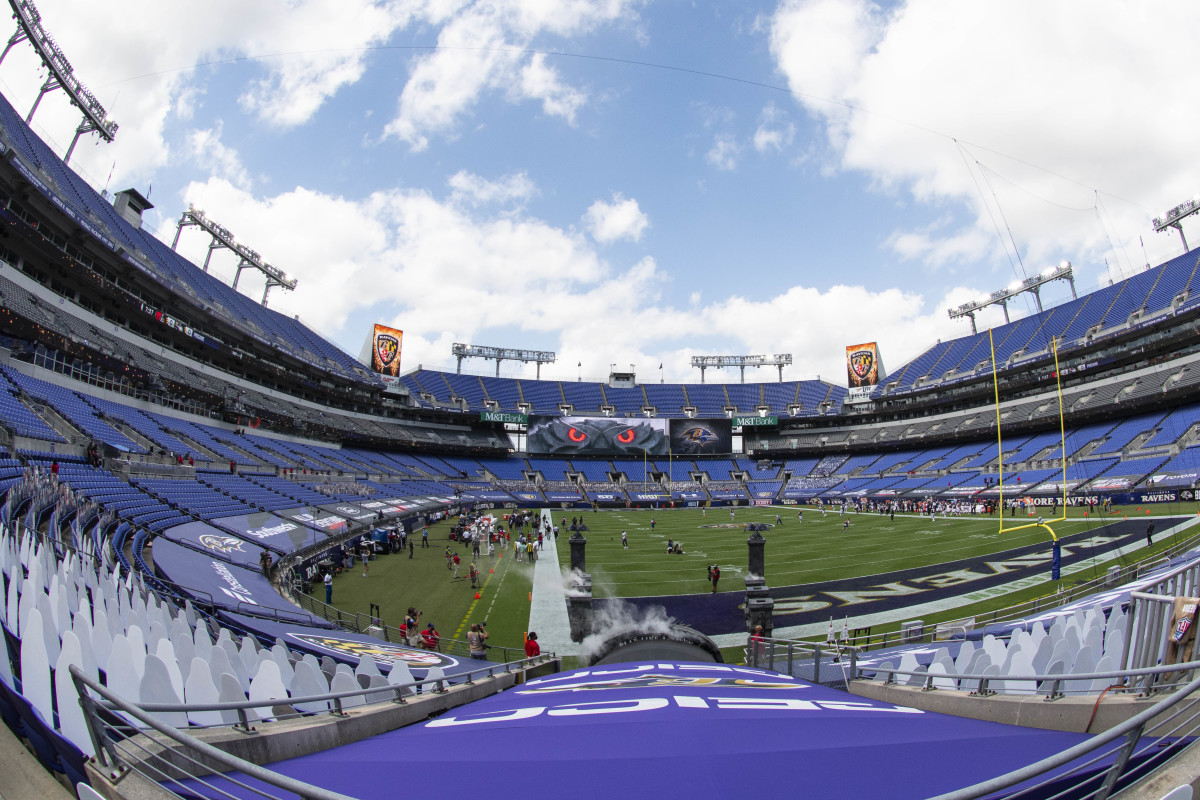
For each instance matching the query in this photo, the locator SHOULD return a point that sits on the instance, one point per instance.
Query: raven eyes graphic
(595, 435)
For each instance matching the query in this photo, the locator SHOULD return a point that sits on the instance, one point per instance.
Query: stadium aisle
(548, 609)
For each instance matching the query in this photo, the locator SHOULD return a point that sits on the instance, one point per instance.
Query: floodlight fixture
(498, 354)
(222, 237)
(1061, 272)
(779, 360)
(61, 75)
(1174, 217)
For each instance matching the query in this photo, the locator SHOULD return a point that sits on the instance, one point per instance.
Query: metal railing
(123, 733)
(1152, 679)
(1150, 618)
(1173, 722)
(809, 658)
(1037, 605)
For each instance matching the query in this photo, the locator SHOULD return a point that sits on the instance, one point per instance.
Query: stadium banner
(263, 527)
(313, 517)
(202, 536)
(693, 437)
(863, 365)
(754, 422)
(382, 352)
(624, 436)
(504, 416)
(353, 512)
(388, 508)
(227, 584)
(1183, 495)
(858, 394)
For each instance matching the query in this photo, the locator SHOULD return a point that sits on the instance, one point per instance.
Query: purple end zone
(677, 730)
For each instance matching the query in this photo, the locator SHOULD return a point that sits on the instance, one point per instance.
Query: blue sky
(518, 173)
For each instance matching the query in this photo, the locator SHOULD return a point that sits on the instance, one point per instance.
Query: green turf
(394, 582)
(816, 550)
(819, 549)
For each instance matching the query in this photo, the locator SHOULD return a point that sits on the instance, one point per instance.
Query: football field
(821, 548)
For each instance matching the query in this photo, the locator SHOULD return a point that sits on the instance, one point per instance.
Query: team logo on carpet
(380, 651)
(221, 544)
(650, 681)
(737, 526)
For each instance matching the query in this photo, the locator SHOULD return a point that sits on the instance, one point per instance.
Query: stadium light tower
(498, 354)
(1173, 218)
(779, 360)
(222, 237)
(1000, 297)
(61, 75)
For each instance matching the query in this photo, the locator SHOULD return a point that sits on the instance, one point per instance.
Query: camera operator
(476, 640)
(410, 626)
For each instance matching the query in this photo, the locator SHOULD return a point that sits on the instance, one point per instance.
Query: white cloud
(773, 132)
(407, 257)
(542, 82)
(210, 153)
(482, 47)
(323, 45)
(473, 189)
(1042, 83)
(620, 219)
(144, 65)
(724, 152)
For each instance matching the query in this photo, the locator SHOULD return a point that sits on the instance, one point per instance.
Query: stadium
(231, 550)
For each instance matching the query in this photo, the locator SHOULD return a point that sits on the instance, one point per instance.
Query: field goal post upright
(1000, 447)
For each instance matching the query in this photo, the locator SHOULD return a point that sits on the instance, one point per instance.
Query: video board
(862, 365)
(627, 436)
(385, 350)
(695, 437)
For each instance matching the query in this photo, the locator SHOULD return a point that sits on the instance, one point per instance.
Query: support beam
(223, 238)
(498, 354)
(779, 360)
(1062, 272)
(61, 75)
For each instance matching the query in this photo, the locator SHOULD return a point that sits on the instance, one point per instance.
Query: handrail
(397, 688)
(220, 756)
(1060, 676)
(1131, 727)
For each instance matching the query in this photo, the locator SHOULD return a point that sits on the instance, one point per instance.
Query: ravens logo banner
(862, 364)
